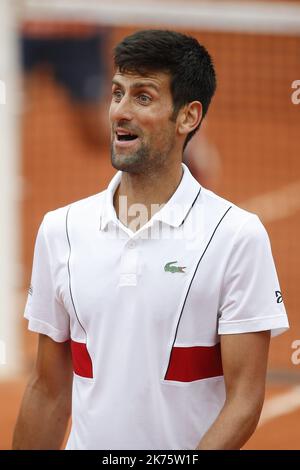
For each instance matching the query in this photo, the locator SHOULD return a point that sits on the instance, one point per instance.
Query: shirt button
(131, 244)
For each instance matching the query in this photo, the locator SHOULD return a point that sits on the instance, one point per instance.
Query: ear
(189, 117)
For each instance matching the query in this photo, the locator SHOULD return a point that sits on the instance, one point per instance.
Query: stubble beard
(130, 162)
(145, 160)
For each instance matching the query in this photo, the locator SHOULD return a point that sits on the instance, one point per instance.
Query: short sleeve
(44, 310)
(251, 298)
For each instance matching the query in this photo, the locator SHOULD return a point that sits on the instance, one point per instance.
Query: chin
(124, 162)
(132, 163)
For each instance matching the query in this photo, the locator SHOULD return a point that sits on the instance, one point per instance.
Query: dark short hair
(189, 64)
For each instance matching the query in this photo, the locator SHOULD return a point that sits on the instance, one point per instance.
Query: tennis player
(155, 299)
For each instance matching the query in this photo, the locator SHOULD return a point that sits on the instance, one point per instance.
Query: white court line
(280, 405)
(258, 17)
(275, 205)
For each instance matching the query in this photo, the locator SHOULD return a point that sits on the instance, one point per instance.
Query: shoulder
(237, 223)
(55, 222)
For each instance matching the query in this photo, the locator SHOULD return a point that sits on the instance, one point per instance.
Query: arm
(244, 358)
(46, 405)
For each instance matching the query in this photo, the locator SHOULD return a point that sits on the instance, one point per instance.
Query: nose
(121, 110)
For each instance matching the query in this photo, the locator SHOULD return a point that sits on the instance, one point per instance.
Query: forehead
(160, 80)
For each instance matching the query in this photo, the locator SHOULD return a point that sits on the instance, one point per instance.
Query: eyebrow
(137, 85)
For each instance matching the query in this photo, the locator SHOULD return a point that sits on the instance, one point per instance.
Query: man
(164, 292)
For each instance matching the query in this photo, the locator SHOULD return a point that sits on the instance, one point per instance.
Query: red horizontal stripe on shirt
(82, 363)
(194, 363)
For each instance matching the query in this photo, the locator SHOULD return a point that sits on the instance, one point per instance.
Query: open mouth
(125, 137)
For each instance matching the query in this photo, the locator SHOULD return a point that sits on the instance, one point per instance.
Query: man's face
(142, 132)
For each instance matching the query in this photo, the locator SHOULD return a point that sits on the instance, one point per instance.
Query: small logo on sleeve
(174, 269)
(30, 290)
(278, 296)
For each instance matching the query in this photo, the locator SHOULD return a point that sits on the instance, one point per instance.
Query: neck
(149, 191)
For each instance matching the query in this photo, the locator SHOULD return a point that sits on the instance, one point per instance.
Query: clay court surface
(255, 128)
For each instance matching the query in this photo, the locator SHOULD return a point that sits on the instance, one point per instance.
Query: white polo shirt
(144, 311)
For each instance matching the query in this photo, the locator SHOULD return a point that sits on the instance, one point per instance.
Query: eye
(144, 99)
(117, 95)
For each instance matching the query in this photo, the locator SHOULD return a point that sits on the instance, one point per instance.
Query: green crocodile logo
(174, 269)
